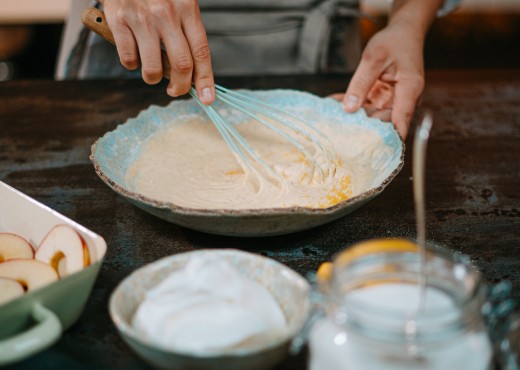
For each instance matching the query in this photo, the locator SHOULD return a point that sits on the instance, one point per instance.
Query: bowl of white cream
(211, 309)
(173, 163)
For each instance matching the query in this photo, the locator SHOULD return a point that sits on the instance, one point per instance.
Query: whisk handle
(94, 19)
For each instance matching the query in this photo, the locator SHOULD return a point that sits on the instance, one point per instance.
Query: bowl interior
(288, 288)
(375, 156)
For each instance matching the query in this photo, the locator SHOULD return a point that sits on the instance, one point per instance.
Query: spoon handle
(419, 163)
(418, 171)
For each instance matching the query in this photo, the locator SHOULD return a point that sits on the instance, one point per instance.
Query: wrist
(414, 15)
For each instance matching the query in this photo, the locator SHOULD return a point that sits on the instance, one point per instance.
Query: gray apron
(253, 37)
(282, 37)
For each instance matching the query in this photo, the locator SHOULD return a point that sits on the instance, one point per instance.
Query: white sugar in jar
(373, 319)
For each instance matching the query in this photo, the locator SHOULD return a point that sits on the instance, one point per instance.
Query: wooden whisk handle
(94, 19)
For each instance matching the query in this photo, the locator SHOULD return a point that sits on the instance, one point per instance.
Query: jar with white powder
(382, 312)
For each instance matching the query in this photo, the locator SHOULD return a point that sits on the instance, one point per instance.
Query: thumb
(365, 76)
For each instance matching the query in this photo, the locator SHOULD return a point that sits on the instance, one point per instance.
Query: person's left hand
(390, 77)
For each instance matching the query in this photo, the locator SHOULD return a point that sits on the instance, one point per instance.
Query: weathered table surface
(473, 188)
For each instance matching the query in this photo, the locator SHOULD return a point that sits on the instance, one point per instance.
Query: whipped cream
(190, 165)
(209, 306)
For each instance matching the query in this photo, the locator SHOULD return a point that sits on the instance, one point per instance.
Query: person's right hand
(139, 28)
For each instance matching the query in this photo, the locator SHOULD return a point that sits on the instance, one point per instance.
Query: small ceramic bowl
(380, 161)
(289, 288)
(36, 320)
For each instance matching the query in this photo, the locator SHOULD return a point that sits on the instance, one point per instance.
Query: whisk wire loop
(251, 110)
(266, 114)
(297, 124)
(228, 133)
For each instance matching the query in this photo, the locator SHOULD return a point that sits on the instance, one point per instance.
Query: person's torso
(254, 37)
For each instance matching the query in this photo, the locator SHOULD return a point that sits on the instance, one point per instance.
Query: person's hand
(141, 26)
(390, 77)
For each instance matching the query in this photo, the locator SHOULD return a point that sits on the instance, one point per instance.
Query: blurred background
(480, 34)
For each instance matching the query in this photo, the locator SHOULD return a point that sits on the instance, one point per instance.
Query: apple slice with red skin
(63, 249)
(10, 289)
(86, 252)
(30, 273)
(14, 246)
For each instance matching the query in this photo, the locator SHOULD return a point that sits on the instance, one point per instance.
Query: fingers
(384, 115)
(150, 54)
(137, 40)
(141, 26)
(381, 95)
(198, 44)
(181, 63)
(124, 38)
(337, 96)
(407, 92)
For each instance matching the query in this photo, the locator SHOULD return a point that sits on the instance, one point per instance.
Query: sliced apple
(10, 289)
(31, 274)
(14, 246)
(86, 253)
(62, 248)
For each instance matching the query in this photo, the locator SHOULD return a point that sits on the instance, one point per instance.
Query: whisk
(283, 123)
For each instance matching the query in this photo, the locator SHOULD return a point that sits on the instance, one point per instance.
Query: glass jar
(374, 318)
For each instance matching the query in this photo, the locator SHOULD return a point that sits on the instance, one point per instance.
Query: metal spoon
(419, 160)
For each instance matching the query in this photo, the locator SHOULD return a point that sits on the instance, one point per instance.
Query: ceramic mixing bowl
(114, 153)
(290, 290)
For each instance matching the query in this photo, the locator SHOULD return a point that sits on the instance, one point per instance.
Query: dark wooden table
(473, 189)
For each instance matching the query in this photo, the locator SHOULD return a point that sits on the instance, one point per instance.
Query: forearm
(417, 15)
